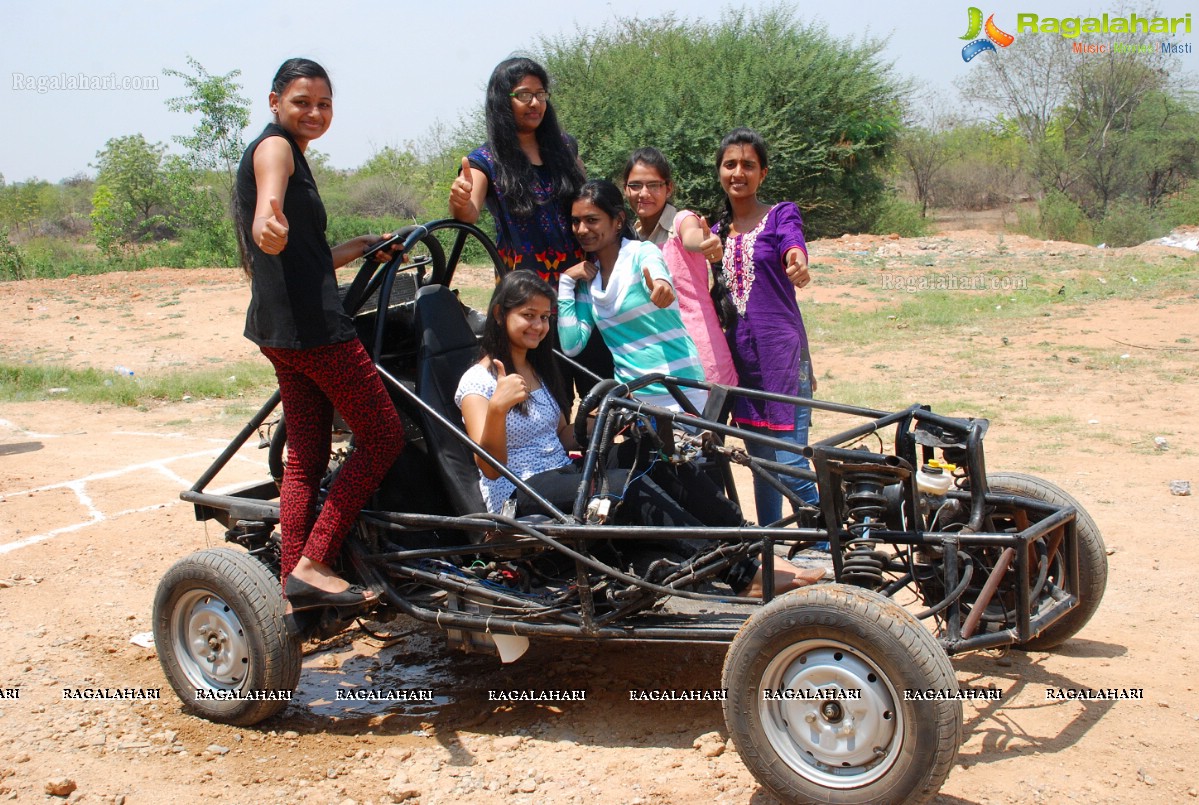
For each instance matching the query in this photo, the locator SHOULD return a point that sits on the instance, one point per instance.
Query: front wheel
(221, 637)
(819, 703)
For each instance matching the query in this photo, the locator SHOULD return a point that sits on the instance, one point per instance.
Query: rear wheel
(221, 637)
(1092, 557)
(816, 704)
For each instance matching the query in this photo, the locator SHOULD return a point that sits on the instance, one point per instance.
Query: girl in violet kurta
(765, 261)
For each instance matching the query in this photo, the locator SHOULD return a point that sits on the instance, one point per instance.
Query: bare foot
(319, 575)
(786, 577)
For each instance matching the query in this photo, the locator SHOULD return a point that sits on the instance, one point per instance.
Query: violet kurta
(767, 337)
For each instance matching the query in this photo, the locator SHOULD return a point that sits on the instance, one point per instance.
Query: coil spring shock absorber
(866, 504)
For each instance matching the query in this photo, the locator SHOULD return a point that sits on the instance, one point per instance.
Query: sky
(397, 68)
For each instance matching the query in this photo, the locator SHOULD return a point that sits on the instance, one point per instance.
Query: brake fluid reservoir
(935, 477)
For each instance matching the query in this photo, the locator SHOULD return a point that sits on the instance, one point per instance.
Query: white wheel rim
(836, 741)
(209, 641)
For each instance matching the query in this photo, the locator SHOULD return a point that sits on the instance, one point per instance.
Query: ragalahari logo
(994, 35)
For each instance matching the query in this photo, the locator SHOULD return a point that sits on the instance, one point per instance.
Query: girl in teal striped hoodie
(625, 291)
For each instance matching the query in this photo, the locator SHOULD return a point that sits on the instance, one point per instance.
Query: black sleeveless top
(294, 302)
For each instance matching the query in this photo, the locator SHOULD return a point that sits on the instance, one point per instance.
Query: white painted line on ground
(99, 517)
(4, 423)
(183, 482)
(85, 499)
(100, 476)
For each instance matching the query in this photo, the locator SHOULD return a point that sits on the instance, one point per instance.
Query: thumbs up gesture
(660, 292)
(797, 268)
(710, 247)
(510, 390)
(274, 230)
(463, 186)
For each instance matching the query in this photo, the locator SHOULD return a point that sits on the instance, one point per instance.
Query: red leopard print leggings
(312, 383)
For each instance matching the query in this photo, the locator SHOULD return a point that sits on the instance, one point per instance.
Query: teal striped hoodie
(643, 338)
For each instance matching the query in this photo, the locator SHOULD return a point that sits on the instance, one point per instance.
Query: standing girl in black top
(297, 321)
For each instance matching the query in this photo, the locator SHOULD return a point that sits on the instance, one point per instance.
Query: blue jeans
(768, 499)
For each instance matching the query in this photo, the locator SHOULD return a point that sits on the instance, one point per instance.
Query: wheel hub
(833, 717)
(210, 641)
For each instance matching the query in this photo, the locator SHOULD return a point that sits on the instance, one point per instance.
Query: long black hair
(243, 210)
(741, 136)
(610, 200)
(513, 171)
(514, 290)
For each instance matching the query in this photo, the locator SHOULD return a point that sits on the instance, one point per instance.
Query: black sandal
(302, 595)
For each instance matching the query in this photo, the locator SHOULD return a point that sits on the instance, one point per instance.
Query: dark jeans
(668, 496)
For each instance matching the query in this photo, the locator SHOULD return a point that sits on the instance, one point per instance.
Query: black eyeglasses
(526, 96)
(637, 187)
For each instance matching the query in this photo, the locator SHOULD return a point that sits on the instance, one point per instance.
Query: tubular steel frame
(251, 513)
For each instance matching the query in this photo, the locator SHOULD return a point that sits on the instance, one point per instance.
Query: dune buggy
(930, 555)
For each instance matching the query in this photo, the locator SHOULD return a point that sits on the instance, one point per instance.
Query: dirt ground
(90, 520)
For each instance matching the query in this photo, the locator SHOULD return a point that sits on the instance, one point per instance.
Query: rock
(217, 749)
(508, 743)
(291, 735)
(710, 744)
(1180, 488)
(527, 786)
(1160, 443)
(397, 753)
(400, 790)
(60, 786)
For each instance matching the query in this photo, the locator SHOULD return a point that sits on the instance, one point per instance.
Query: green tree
(12, 262)
(23, 204)
(828, 109)
(131, 196)
(202, 181)
(216, 143)
(1166, 134)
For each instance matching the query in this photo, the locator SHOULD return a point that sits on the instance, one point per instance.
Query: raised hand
(797, 268)
(583, 272)
(510, 390)
(660, 292)
(274, 230)
(710, 247)
(463, 186)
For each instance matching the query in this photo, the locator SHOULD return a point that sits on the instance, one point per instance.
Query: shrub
(894, 214)
(1057, 218)
(1128, 223)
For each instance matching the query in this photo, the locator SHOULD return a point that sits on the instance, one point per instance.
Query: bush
(894, 214)
(1129, 223)
(828, 108)
(1182, 209)
(12, 262)
(1057, 218)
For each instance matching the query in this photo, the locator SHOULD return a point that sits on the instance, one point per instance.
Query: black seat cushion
(448, 347)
